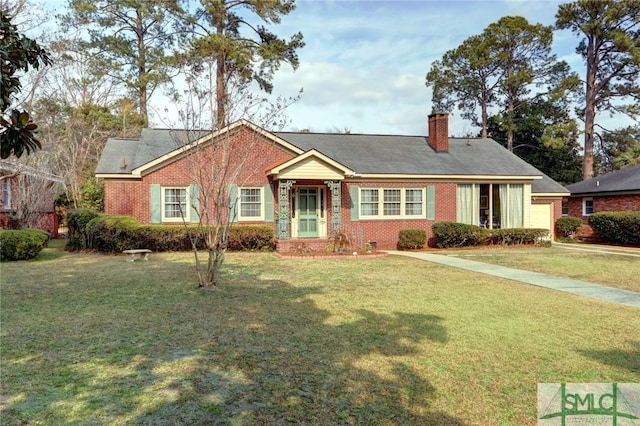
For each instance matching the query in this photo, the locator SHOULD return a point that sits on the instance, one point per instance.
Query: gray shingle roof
(153, 143)
(365, 154)
(384, 154)
(624, 180)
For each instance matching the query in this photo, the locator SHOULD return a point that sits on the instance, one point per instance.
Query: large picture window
(251, 204)
(175, 204)
(491, 205)
(386, 203)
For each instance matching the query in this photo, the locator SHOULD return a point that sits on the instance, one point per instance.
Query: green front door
(307, 212)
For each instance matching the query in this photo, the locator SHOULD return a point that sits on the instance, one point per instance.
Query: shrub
(511, 236)
(167, 237)
(410, 239)
(568, 226)
(251, 237)
(77, 221)
(617, 227)
(453, 234)
(112, 233)
(21, 244)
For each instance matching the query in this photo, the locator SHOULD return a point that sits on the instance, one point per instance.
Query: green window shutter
(194, 196)
(355, 202)
(155, 203)
(268, 204)
(233, 203)
(431, 203)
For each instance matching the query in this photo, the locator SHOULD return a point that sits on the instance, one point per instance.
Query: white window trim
(239, 205)
(584, 206)
(403, 204)
(187, 213)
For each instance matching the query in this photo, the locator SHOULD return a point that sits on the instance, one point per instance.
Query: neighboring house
(28, 196)
(307, 186)
(615, 191)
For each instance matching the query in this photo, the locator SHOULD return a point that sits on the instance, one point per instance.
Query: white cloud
(366, 60)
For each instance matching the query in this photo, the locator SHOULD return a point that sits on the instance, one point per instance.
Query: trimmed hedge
(21, 244)
(411, 239)
(511, 236)
(568, 226)
(113, 234)
(453, 234)
(617, 227)
(251, 238)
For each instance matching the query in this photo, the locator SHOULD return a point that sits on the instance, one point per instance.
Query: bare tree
(33, 189)
(217, 159)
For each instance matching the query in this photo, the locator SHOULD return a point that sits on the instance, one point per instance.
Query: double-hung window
(251, 204)
(6, 194)
(413, 202)
(587, 206)
(369, 202)
(387, 203)
(392, 202)
(175, 204)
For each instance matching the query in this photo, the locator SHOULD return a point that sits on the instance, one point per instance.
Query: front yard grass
(92, 339)
(614, 270)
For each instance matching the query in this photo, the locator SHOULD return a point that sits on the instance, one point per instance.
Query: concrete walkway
(582, 288)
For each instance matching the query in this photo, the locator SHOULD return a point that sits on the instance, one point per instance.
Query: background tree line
(94, 77)
(509, 70)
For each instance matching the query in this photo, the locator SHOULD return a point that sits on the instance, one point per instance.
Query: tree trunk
(485, 115)
(510, 124)
(221, 89)
(142, 68)
(590, 108)
(221, 93)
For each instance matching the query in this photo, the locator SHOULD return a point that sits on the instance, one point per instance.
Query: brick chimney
(439, 131)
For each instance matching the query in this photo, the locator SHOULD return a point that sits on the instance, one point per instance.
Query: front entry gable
(311, 165)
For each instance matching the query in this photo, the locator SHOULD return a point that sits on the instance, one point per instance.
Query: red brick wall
(439, 132)
(254, 153)
(605, 204)
(385, 232)
(608, 203)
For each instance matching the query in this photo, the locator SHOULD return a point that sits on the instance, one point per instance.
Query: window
(587, 206)
(369, 202)
(505, 202)
(251, 204)
(413, 202)
(175, 205)
(6, 194)
(394, 202)
(565, 207)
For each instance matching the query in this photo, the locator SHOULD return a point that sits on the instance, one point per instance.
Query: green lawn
(92, 339)
(615, 270)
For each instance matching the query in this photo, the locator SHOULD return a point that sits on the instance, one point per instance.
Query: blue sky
(364, 63)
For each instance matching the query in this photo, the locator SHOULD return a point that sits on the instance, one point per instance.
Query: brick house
(307, 186)
(615, 191)
(30, 193)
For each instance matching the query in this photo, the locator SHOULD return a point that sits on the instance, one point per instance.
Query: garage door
(541, 216)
